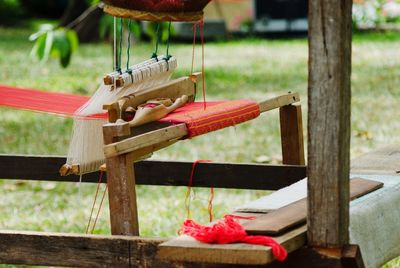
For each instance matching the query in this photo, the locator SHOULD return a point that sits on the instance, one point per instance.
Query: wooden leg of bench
(292, 134)
(121, 185)
(122, 195)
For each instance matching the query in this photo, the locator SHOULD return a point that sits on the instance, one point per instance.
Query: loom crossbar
(175, 132)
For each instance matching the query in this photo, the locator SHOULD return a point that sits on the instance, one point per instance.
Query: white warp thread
(86, 145)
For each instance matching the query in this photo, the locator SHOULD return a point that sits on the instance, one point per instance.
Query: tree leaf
(39, 46)
(73, 40)
(48, 46)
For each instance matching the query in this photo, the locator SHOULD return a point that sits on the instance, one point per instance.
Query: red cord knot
(229, 230)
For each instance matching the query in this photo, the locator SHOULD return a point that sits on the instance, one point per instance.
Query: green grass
(255, 69)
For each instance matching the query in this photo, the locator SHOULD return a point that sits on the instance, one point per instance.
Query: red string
(229, 230)
(98, 211)
(210, 204)
(189, 187)
(62, 104)
(194, 44)
(202, 62)
(94, 201)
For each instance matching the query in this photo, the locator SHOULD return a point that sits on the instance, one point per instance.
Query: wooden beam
(292, 139)
(121, 186)
(175, 132)
(166, 134)
(167, 173)
(329, 93)
(279, 101)
(59, 249)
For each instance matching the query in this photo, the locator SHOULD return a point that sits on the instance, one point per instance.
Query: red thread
(210, 204)
(94, 201)
(62, 104)
(98, 211)
(202, 62)
(189, 187)
(229, 230)
(194, 44)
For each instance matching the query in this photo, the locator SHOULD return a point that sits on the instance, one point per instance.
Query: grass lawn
(255, 69)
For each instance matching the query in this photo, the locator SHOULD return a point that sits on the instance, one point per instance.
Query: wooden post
(292, 135)
(121, 186)
(329, 122)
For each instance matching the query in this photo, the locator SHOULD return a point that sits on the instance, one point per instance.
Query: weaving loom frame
(328, 50)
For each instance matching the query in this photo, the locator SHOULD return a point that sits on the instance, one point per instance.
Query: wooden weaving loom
(323, 242)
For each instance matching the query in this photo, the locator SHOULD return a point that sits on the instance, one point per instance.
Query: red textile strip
(218, 115)
(229, 230)
(63, 104)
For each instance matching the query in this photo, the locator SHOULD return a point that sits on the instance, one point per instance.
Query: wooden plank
(168, 173)
(282, 219)
(385, 160)
(58, 249)
(279, 101)
(76, 250)
(121, 189)
(330, 27)
(185, 248)
(144, 140)
(292, 139)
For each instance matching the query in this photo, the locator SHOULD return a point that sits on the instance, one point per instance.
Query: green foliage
(10, 10)
(106, 27)
(56, 43)
(150, 29)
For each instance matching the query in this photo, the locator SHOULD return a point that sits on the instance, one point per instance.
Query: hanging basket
(157, 10)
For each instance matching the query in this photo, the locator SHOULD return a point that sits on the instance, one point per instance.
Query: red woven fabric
(41, 101)
(216, 116)
(229, 230)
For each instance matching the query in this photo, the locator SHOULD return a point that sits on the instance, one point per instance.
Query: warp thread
(229, 230)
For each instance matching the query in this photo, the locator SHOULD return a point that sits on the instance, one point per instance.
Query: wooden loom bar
(329, 122)
(121, 186)
(175, 132)
(279, 101)
(167, 173)
(172, 89)
(132, 144)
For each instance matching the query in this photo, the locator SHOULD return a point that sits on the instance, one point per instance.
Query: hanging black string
(128, 70)
(120, 45)
(169, 37)
(157, 41)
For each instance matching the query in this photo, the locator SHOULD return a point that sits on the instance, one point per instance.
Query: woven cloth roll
(217, 115)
